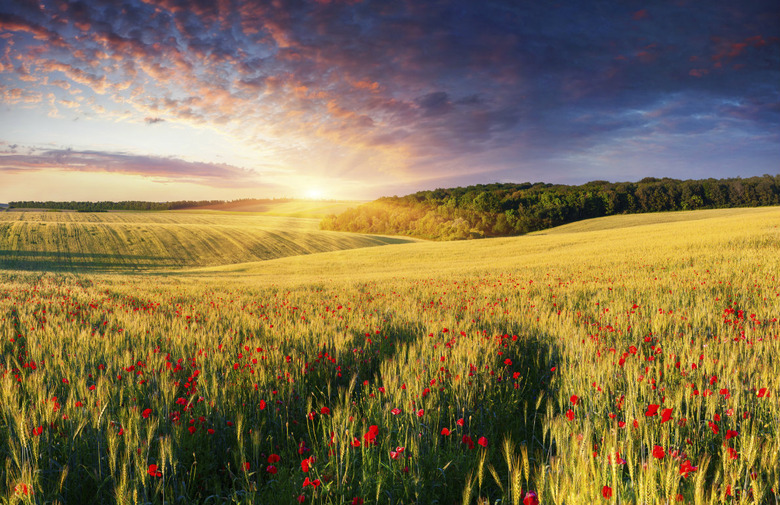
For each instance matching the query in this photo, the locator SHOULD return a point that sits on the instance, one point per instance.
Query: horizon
(353, 100)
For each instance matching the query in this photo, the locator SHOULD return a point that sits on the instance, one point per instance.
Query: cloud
(159, 168)
(410, 86)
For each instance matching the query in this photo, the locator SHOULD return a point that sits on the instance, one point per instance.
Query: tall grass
(476, 372)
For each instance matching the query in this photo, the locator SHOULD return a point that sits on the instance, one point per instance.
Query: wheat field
(627, 360)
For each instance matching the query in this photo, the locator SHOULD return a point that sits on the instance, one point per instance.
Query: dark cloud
(153, 120)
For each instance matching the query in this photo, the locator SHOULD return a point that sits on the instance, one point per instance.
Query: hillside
(506, 209)
(616, 240)
(152, 240)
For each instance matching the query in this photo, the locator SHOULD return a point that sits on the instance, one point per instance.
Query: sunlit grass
(491, 370)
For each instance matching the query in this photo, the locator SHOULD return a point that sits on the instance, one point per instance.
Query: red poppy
(666, 415)
(482, 441)
(370, 435)
(262, 404)
(508, 362)
(325, 411)
(574, 399)
(467, 440)
(714, 427)
(606, 492)
(420, 413)
(658, 452)
(357, 501)
(395, 411)
(445, 431)
(652, 410)
(731, 434)
(531, 498)
(145, 413)
(570, 415)
(153, 471)
(355, 442)
(271, 469)
(273, 458)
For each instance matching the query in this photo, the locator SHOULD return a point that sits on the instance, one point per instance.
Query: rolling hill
(152, 240)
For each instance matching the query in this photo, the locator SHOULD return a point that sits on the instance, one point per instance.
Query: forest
(503, 209)
(132, 205)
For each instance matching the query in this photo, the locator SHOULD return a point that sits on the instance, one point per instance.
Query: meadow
(630, 359)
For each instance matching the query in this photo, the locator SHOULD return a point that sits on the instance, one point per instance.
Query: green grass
(123, 241)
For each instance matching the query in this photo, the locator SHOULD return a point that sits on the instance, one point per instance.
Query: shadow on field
(494, 396)
(57, 262)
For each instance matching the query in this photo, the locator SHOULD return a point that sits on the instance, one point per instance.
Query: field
(630, 359)
(153, 240)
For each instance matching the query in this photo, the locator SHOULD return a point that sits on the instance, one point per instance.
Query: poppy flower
(420, 413)
(606, 492)
(325, 411)
(357, 501)
(531, 498)
(482, 441)
(658, 452)
(153, 471)
(714, 427)
(271, 469)
(731, 434)
(395, 411)
(467, 440)
(570, 415)
(508, 362)
(445, 431)
(370, 435)
(145, 413)
(273, 458)
(355, 442)
(652, 410)
(262, 404)
(574, 399)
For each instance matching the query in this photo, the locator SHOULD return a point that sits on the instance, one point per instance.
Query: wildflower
(482, 441)
(731, 434)
(420, 413)
(153, 471)
(145, 414)
(395, 411)
(370, 435)
(574, 399)
(271, 469)
(658, 452)
(357, 501)
(531, 498)
(325, 411)
(570, 415)
(606, 492)
(273, 458)
(652, 410)
(445, 431)
(666, 415)
(262, 404)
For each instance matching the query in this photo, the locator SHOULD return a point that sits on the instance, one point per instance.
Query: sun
(314, 194)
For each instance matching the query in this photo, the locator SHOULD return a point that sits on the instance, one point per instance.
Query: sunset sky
(181, 99)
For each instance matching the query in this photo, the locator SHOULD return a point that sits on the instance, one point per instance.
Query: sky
(356, 99)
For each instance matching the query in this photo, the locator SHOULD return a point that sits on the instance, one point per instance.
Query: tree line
(502, 209)
(133, 205)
